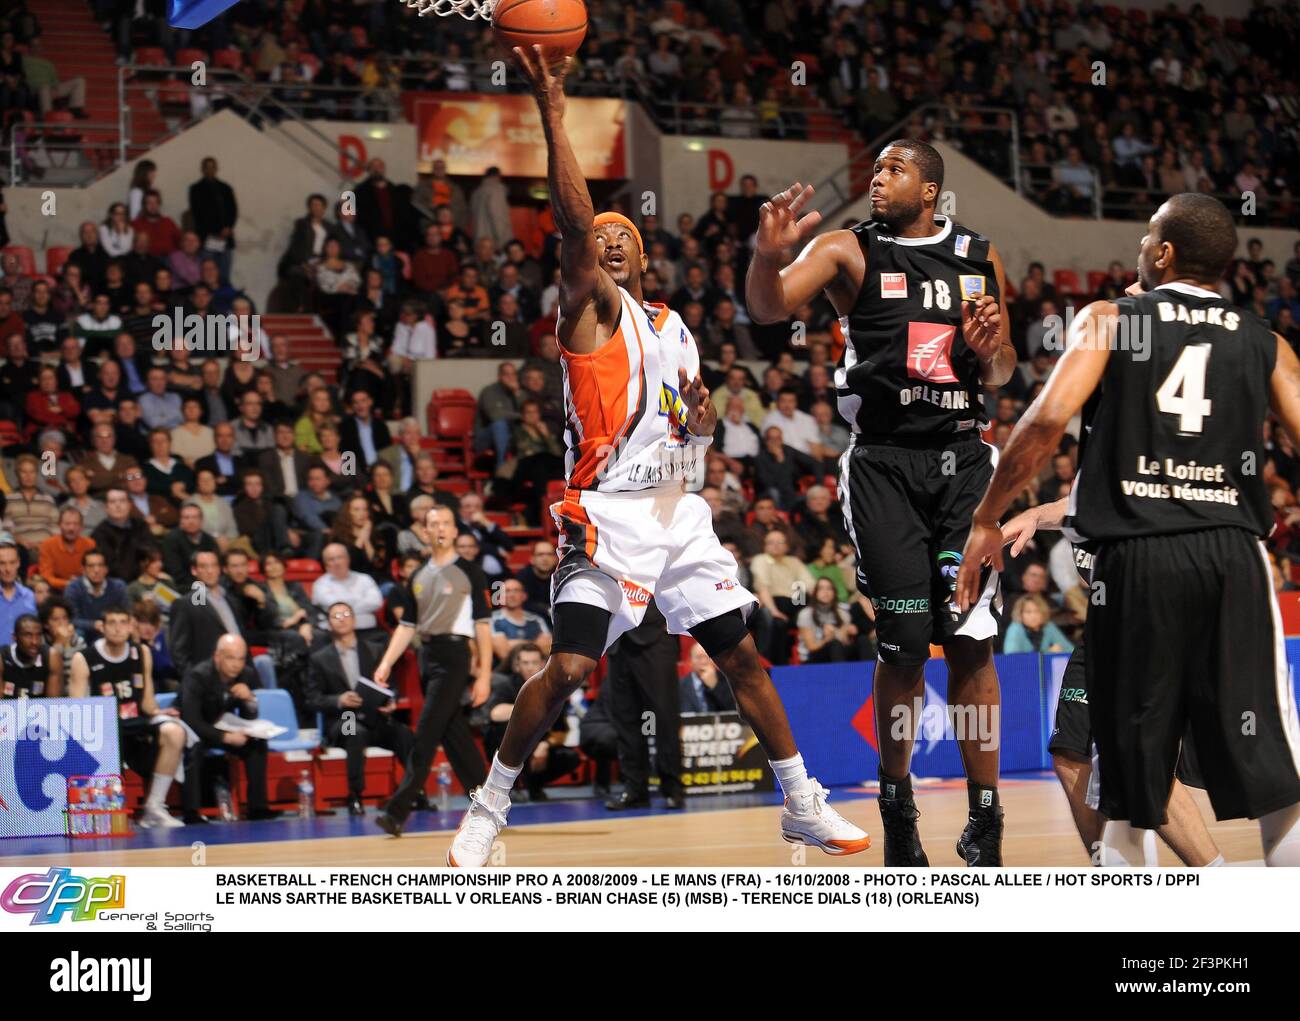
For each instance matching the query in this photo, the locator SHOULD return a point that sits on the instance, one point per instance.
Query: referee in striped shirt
(445, 604)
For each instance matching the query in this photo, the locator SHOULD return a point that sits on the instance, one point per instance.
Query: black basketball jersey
(1173, 438)
(907, 370)
(25, 680)
(123, 679)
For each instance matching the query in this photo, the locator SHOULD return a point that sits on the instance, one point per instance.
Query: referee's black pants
(444, 672)
(643, 676)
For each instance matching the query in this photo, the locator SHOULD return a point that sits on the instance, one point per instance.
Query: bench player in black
(919, 297)
(1071, 744)
(1184, 629)
(114, 665)
(28, 667)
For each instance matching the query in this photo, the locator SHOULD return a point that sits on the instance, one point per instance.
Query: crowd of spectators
(1137, 105)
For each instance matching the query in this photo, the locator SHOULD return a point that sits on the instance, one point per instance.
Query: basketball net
(467, 9)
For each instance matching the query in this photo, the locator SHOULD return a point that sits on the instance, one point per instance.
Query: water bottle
(116, 802)
(444, 787)
(77, 797)
(100, 804)
(306, 796)
(225, 805)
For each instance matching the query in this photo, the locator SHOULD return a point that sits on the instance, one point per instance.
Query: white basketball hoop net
(467, 9)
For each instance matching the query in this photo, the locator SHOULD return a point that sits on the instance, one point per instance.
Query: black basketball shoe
(902, 841)
(980, 843)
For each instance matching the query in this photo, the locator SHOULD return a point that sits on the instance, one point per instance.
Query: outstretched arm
(580, 275)
(1035, 438)
(775, 286)
(1045, 517)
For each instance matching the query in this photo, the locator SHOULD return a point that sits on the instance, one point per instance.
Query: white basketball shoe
(808, 819)
(472, 845)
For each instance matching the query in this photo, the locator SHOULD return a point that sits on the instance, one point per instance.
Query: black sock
(894, 789)
(980, 796)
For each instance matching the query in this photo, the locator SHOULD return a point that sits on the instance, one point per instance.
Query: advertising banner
(43, 741)
(473, 132)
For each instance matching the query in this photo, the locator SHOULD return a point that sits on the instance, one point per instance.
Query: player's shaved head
(1201, 233)
(906, 181)
(929, 163)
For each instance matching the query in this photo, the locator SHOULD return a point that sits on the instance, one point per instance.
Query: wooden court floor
(1038, 832)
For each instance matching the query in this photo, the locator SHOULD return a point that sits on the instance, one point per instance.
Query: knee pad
(1126, 846)
(904, 638)
(719, 635)
(580, 628)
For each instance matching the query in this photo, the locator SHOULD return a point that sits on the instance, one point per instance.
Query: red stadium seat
(188, 56)
(302, 569)
(440, 399)
(230, 58)
(26, 258)
(1096, 277)
(1066, 282)
(454, 421)
(55, 258)
(173, 97)
(523, 225)
(151, 56)
(457, 487)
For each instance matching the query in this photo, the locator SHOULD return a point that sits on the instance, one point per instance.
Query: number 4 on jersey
(1183, 391)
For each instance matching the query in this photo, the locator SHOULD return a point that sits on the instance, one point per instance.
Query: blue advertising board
(43, 741)
(832, 713)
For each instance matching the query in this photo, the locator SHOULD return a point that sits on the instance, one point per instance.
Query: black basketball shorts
(908, 507)
(1185, 633)
(1072, 730)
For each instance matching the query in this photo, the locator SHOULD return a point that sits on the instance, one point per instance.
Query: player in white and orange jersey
(637, 420)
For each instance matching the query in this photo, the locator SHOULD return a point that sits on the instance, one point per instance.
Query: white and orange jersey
(625, 420)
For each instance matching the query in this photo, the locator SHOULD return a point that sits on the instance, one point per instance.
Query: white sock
(501, 779)
(791, 775)
(1150, 856)
(157, 798)
(1121, 846)
(1280, 833)
(1216, 863)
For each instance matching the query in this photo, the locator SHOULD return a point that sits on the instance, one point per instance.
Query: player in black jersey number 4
(1184, 630)
(920, 300)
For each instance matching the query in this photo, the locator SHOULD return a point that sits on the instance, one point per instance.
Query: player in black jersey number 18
(1183, 634)
(920, 300)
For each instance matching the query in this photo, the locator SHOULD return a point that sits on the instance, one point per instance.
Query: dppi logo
(47, 898)
(725, 586)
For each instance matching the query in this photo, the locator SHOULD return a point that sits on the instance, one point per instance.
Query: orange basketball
(557, 25)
